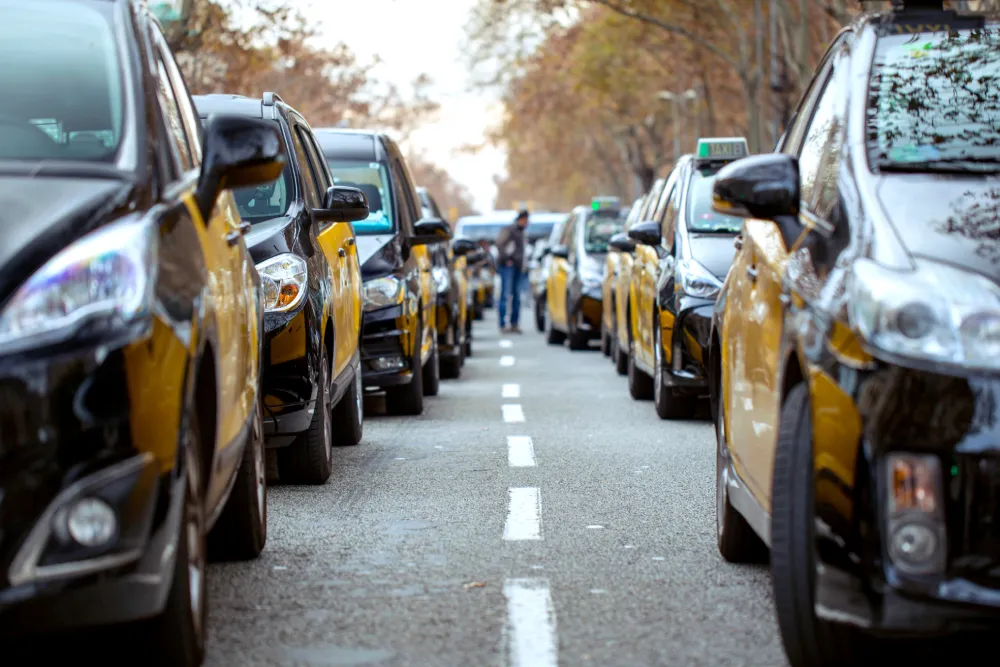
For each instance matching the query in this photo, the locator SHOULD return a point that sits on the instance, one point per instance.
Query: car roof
(240, 105)
(349, 144)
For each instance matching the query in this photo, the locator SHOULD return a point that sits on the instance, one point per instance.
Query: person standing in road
(510, 250)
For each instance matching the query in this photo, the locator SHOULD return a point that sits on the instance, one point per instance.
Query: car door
(423, 267)
(767, 260)
(645, 273)
(666, 270)
(335, 239)
(559, 276)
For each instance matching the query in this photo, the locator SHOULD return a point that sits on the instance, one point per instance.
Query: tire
(808, 640)
(640, 385)
(552, 335)
(451, 368)
(605, 340)
(176, 637)
(349, 414)
(468, 347)
(432, 373)
(241, 530)
(667, 403)
(540, 313)
(620, 357)
(309, 459)
(578, 341)
(737, 541)
(477, 312)
(408, 399)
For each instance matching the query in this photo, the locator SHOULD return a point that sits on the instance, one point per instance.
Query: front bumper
(81, 425)
(689, 341)
(289, 386)
(449, 335)
(587, 312)
(385, 340)
(860, 418)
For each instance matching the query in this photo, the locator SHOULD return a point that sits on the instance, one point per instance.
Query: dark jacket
(510, 245)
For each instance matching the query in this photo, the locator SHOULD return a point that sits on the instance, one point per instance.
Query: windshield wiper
(954, 165)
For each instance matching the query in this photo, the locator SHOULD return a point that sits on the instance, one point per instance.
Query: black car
(304, 249)
(130, 320)
(399, 347)
(677, 285)
(453, 330)
(855, 359)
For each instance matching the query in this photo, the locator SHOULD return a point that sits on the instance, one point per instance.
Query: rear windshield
(60, 76)
(599, 229)
(935, 99)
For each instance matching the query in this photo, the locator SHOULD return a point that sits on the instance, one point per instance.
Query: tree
(451, 196)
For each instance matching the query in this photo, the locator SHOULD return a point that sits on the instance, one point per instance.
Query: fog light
(91, 522)
(388, 363)
(914, 544)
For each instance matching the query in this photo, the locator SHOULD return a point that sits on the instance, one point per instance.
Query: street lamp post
(676, 99)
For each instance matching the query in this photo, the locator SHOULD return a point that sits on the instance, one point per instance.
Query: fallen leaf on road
(476, 584)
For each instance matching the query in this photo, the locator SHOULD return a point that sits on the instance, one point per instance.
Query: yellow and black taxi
(130, 331)
(856, 344)
(683, 255)
(399, 346)
(622, 288)
(299, 234)
(618, 245)
(451, 282)
(576, 274)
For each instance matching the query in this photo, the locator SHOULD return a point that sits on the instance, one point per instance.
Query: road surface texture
(452, 539)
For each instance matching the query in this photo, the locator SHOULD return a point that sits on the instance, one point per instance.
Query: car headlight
(441, 278)
(936, 313)
(382, 292)
(105, 280)
(285, 281)
(697, 281)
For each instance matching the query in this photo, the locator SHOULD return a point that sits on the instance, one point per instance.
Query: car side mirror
(430, 230)
(342, 204)
(765, 187)
(238, 152)
(475, 257)
(463, 246)
(560, 251)
(646, 233)
(621, 242)
(545, 251)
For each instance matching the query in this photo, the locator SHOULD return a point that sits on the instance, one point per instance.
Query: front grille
(974, 517)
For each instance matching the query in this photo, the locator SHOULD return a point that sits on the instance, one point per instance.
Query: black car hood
(951, 219)
(378, 255)
(713, 251)
(39, 216)
(270, 238)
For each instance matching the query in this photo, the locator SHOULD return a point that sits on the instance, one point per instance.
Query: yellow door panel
(333, 241)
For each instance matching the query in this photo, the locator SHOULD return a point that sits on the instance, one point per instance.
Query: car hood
(952, 219)
(39, 216)
(270, 238)
(378, 255)
(713, 251)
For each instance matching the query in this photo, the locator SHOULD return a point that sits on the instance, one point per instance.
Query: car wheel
(177, 635)
(432, 372)
(468, 347)
(309, 459)
(552, 335)
(408, 399)
(640, 385)
(605, 340)
(349, 414)
(540, 313)
(241, 530)
(737, 541)
(668, 404)
(619, 355)
(578, 341)
(809, 641)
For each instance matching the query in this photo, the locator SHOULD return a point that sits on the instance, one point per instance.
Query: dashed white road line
(506, 343)
(531, 623)
(520, 451)
(511, 391)
(524, 515)
(506, 360)
(512, 413)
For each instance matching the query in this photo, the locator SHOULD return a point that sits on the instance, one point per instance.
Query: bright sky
(425, 36)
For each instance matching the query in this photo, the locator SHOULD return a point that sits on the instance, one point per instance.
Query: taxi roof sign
(605, 204)
(721, 149)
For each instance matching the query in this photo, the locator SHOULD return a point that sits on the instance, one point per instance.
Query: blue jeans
(510, 282)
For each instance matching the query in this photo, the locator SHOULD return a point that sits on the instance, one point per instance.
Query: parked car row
(186, 283)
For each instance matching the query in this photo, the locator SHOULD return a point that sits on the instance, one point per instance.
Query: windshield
(537, 231)
(935, 98)
(62, 92)
(701, 218)
(372, 178)
(599, 230)
(481, 231)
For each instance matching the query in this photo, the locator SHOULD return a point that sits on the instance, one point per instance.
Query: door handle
(341, 252)
(232, 238)
(350, 241)
(244, 227)
(752, 274)
(738, 242)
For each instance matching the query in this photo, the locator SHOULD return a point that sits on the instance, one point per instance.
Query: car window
(312, 167)
(372, 178)
(172, 119)
(567, 232)
(935, 99)
(669, 224)
(306, 175)
(62, 98)
(189, 116)
(821, 135)
(323, 175)
(598, 230)
(792, 138)
(409, 192)
(701, 218)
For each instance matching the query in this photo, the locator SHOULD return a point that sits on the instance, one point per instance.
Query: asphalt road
(427, 547)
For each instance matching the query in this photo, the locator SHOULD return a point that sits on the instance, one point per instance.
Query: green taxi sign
(722, 149)
(605, 204)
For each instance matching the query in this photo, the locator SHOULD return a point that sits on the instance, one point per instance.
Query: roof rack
(271, 98)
